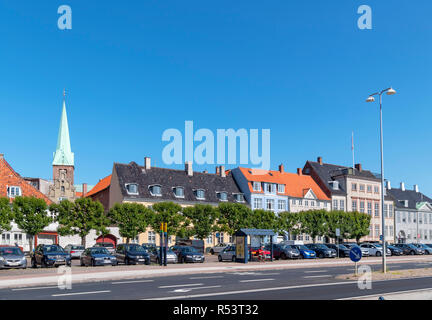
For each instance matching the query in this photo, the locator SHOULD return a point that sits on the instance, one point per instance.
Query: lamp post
(389, 91)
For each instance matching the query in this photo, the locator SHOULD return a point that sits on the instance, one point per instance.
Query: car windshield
(136, 248)
(10, 252)
(99, 251)
(321, 246)
(53, 248)
(77, 247)
(378, 245)
(190, 249)
(342, 247)
(302, 247)
(105, 245)
(286, 246)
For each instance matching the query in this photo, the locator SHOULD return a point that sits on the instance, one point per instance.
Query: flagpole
(352, 148)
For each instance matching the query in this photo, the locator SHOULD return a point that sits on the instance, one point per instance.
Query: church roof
(63, 156)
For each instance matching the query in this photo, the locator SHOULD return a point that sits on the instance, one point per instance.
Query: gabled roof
(169, 179)
(9, 177)
(295, 185)
(412, 196)
(100, 186)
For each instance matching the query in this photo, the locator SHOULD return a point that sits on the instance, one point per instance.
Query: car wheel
(212, 252)
(233, 259)
(33, 263)
(184, 260)
(44, 264)
(378, 254)
(127, 261)
(321, 255)
(157, 261)
(93, 263)
(82, 263)
(283, 256)
(412, 252)
(219, 258)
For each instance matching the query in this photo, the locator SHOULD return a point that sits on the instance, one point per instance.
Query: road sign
(355, 254)
(337, 232)
(381, 237)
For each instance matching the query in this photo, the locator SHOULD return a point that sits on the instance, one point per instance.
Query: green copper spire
(63, 156)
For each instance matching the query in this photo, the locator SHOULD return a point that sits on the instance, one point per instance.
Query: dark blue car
(50, 256)
(97, 256)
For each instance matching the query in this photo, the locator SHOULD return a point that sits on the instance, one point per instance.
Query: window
(335, 204)
(312, 203)
(369, 208)
(362, 206)
(354, 205)
(409, 217)
(404, 217)
(376, 189)
(342, 205)
(376, 209)
(385, 211)
(200, 194)
(178, 192)
(209, 239)
(306, 203)
(256, 186)
(270, 187)
(5, 238)
(398, 217)
(151, 237)
(239, 197)
(156, 190)
(18, 238)
(132, 188)
(270, 204)
(293, 201)
(362, 188)
(222, 196)
(281, 204)
(377, 231)
(354, 186)
(257, 203)
(391, 211)
(300, 202)
(13, 192)
(219, 237)
(281, 188)
(369, 188)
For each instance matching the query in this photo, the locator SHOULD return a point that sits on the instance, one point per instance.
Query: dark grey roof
(170, 178)
(330, 172)
(413, 198)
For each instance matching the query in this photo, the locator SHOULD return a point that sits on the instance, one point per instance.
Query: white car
(375, 249)
(229, 253)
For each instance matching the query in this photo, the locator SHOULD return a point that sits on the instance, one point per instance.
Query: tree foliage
(264, 219)
(202, 219)
(170, 213)
(233, 216)
(314, 223)
(6, 215)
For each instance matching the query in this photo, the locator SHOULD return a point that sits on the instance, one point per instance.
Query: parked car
(97, 256)
(74, 250)
(155, 255)
(50, 255)
(427, 249)
(409, 249)
(228, 253)
(365, 251)
(259, 253)
(375, 249)
(188, 254)
(149, 246)
(343, 251)
(284, 251)
(218, 248)
(322, 251)
(197, 244)
(305, 252)
(12, 257)
(429, 245)
(395, 251)
(108, 245)
(132, 253)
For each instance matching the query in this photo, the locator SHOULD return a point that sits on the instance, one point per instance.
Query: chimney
(281, 168)
(320, 160)
(188, 168)
(358, 166)
(218, 170)
(147, 163)
(1, 156)
(416, 188)
(222, 171)
(84, 189)
(388, 185)
(402, 186)
(299, 171)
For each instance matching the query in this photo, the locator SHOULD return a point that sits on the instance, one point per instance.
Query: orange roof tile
(101, 185)
(295, 185)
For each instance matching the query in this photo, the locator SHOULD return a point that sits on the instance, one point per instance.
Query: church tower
(63, 163)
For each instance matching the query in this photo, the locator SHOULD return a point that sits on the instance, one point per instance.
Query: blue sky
(135, 68)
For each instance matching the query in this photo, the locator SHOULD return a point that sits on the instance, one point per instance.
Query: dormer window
(155, 190)
(334, 185)
(178, 192)
(239, 197)
(132, 188)
(281, 188)
(200, 194)
(222, 196)
(13, 192)
(256, 186)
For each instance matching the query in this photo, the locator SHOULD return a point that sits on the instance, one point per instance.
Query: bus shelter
(247, 238)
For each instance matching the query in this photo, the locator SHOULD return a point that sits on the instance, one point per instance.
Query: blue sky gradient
(135, 68)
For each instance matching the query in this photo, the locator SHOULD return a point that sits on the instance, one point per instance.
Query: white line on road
(212, 277)
(190, 289)
(315, 271)
(136, 281)
(34, 288)
(79, 293)
(181, 285)
(320, 276)
(256, 280)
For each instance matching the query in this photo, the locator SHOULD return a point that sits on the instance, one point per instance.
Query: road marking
(256, 280)
(181, 285)
(315, 271)
(190, 289)
(34, 288)
(320, 276)
(136, 281)
(270, 274)
(79, 293)
(253, 290)
(212, 277)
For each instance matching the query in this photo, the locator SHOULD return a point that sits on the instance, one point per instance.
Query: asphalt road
(299, 283)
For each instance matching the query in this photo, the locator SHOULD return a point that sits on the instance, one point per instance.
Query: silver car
(12, 257)
(218, 248)
(74, 250)
(155, 255)
(229, 253)
(375, 249)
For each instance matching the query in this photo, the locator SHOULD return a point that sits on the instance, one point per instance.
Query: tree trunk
(127, 240)
(83, 241)
(31, 242)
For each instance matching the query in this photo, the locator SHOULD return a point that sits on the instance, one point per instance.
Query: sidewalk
(82, 274)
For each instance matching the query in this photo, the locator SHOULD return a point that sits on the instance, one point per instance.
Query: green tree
(339, 220)
(80, 217)
(360, 225)
(131, 219)
(314, 223)
(31, 216)
(170, 213)
(233, 216)
(290, 222)
(6, 215)
(203, 220)
(264, 219)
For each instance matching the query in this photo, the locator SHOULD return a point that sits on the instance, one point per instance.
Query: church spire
(63, 156)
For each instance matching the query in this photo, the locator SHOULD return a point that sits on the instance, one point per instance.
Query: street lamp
(390, 91)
